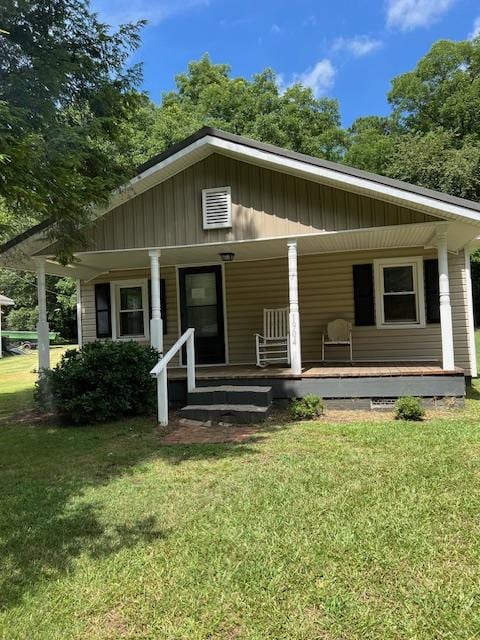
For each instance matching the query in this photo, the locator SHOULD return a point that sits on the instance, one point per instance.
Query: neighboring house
(4, 302)
(220, 227)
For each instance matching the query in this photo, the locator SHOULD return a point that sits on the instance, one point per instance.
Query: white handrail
(159, 371)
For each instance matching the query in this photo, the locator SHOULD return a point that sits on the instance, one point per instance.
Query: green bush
(409, 408)
(103, 381)
(307, 408)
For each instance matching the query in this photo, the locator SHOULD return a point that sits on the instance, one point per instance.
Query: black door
(201, 307)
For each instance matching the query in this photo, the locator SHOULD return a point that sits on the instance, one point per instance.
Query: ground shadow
(179, 453)
(43, 472)
(473, 393)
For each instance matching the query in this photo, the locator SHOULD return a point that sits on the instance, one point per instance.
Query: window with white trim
(132, 309)
(399, 293)
(217, 208)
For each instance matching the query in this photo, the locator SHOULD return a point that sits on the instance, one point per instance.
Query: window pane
(398, 279)
(203, 320)
(131, 323)
(130, 298)
(400, 308)
(201, 289)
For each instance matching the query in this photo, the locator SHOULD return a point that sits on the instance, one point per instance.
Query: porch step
(233, 413)
(231, 394)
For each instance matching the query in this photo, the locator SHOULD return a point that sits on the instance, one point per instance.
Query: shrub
(409, 408)
(307, 408)
(102, 381)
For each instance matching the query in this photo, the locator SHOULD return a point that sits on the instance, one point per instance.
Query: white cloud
(410, 14)
(276, 29)
(310, 21)
(320, 78)
(115, 12)
(476, 29)
(358, 46)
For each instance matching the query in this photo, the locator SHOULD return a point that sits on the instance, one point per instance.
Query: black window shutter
(163, 303)
(432, 291)
(363, 295)
(103, 310)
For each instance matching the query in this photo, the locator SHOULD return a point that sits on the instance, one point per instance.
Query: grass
(17, 379)
(314, 530)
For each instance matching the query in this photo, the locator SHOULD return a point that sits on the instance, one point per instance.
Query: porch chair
(273, 346)
(339, 332)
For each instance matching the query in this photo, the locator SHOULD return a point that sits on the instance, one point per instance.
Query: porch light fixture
(227, 256)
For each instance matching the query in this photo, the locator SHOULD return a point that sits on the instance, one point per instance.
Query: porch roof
(88, 265)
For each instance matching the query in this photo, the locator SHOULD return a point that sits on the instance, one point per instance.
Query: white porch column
(79, 313)
(294, 315)
(156, 326)
(470, 319)
(42, 325)
(445, 306)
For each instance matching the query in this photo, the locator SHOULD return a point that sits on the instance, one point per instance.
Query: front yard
(310, 530)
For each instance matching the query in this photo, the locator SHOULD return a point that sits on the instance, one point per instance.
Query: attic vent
(217, 208)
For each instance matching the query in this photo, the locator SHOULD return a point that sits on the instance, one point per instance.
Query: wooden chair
(339, 332)
(273, 347)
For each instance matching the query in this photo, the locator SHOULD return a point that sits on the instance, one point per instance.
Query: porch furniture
(273, 346)
(339, 332)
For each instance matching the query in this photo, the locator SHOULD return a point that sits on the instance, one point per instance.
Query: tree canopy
(65, 90)
(207, 94)
(432, 136)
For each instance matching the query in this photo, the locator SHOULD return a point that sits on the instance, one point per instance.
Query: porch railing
(159, 371)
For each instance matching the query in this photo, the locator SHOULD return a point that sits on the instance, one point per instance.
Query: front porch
(360, 385)
(401, 289)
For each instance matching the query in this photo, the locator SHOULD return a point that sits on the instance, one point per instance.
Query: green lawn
(311, 531)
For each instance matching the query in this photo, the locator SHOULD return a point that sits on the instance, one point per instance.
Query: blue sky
(347, 49)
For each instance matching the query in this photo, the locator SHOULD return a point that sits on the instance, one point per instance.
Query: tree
(435, 160)
(65, 92)
(207, 95)
(372, 141)
(61, 302)
(432, 136)
(442, 92)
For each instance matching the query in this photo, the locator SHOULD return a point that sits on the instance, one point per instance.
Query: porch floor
(319, 370)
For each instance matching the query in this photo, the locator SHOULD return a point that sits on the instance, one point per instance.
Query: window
(399, 293)
(217, 208)
(132, 309)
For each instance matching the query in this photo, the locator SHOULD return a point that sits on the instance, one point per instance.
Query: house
(218, 228)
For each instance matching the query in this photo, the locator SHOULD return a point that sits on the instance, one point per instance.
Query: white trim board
(418, 281)
(115, 286)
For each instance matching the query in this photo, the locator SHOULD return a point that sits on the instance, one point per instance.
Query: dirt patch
(31, 417)
(113, 623)
(189, 432)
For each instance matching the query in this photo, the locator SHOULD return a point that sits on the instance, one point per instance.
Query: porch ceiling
(90, 264)
(414, 235)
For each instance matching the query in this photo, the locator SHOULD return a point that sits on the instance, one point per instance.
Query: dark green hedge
(101, 382)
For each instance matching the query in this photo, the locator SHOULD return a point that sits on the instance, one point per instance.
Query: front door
(201, 307)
